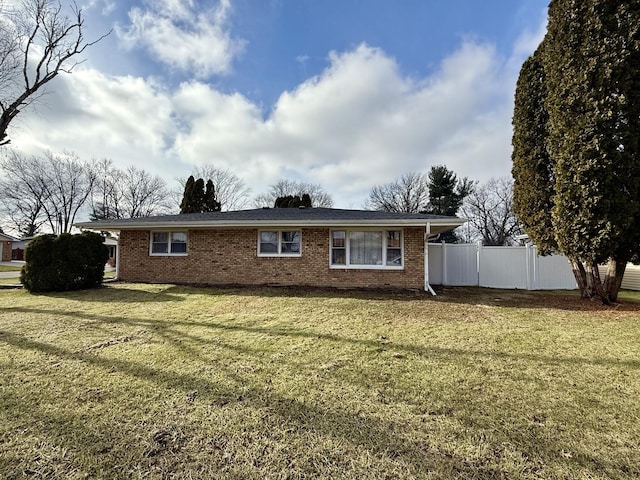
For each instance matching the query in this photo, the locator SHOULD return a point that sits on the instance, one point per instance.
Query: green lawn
(159, 381)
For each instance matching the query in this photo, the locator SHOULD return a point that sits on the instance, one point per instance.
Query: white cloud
(359, 123)
(178, 34)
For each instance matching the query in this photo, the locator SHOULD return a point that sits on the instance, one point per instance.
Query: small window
(338, 247)
(168, 243)
(394, 249)
(279, 242)
(269, 242)
(160, 242)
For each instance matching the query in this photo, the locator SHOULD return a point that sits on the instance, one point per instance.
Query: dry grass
(10, 268)
(158, 381)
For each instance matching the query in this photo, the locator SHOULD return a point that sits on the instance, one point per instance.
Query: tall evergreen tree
(591, 79)
(446, 194)
(211, 203)
(294, 201)
(533, 187)
(197, 198)
(186, 206)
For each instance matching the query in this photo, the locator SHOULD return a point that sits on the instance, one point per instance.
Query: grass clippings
(159, 381)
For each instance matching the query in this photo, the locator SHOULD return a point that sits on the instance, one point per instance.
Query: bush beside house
(64, 262)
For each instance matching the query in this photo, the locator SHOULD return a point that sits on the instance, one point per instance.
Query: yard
(160, 381)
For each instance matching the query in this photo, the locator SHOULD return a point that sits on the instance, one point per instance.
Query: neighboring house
(6, 243)
(278, 246)
(19, 246)
(112, 245)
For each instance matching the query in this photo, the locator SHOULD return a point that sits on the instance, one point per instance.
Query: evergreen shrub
(64, 262)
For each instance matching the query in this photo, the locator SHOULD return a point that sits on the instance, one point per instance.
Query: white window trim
(168, 254)
(279, 232)
(348, 265)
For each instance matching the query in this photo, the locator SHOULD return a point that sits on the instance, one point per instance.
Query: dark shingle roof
(270, 216)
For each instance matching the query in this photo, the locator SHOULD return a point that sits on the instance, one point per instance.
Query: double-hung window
(273, 243)
(367, 249)
(168, 243)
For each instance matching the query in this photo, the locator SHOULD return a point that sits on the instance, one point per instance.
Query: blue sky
(345, 93)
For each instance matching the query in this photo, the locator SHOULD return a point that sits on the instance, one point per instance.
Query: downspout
(427, 286)
(117, 277)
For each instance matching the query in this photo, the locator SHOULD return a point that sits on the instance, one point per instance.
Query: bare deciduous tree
(50, 189)
(106, 196)
(130, 193)
(38, 40)
(143, 194)
(408, 193)
(231, 191)
(489, 210)
(319, 197)
(21, 198)
(67, 182)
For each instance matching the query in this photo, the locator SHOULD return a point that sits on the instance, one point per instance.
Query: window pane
(393, 239)
(268, 242)
(160, 242)
(365, 248)
(157, 247)
(394, 257)
(160, 237)
(290, 242)
(338, 238)
(338, 256)
(178, 242)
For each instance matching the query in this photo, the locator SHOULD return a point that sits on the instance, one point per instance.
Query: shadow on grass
(163, 327)
(384, 438)
(567, 300)
(155, 293)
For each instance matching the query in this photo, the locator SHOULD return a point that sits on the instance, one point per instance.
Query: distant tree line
(49, 191)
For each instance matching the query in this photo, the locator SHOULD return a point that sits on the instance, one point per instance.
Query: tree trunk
(581, 278)
(596, 284)
(613, 280)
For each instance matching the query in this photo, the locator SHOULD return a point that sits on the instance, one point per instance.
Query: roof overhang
(436, 224)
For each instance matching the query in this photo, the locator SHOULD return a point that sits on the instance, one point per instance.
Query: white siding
(631, 279)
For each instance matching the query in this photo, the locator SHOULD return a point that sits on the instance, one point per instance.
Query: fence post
(530, 281)
(444, 263)
(478, 254)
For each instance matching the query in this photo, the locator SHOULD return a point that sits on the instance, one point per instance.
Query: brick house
(321, 247)
(6, 245)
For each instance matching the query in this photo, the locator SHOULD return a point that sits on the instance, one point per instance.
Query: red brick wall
(219, 257)
(6, 250)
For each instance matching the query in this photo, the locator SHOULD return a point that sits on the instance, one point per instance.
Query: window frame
(347, 248)
(279, 253)
(168, 253)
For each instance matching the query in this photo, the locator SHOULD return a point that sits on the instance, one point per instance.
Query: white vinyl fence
(498, 267)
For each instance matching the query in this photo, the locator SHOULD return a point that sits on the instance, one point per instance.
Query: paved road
(15, 274)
